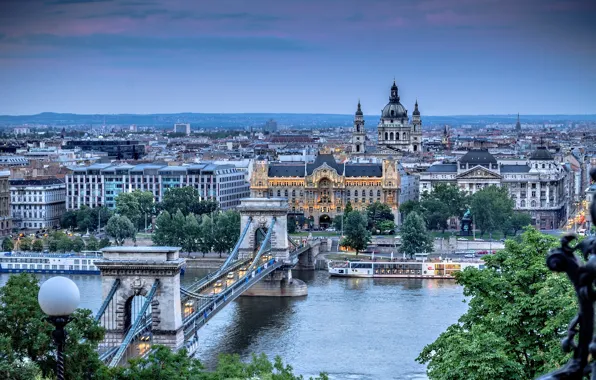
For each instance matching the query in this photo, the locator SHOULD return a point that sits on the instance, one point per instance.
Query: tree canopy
(356, 233)
(518, 312)
(85, 218)
(491, 208)
(121, 228)
(136, 206)
(414, 237)
(187, 200)
(377, 213)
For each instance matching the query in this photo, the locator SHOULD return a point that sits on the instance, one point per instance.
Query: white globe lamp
(59, 297)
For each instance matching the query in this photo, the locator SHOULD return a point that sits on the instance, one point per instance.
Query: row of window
(47, 267)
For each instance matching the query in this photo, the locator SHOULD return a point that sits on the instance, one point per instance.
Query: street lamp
(59, 297)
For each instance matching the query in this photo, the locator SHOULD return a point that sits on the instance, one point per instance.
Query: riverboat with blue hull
(54, 263)
(400, 269)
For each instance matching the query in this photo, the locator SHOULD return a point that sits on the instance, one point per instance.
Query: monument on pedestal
(466, 224)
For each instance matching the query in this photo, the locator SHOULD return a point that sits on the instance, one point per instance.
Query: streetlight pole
(59, 297)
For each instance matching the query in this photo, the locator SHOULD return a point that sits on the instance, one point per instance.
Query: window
(523, 203)
(533, 204)
(355, 193)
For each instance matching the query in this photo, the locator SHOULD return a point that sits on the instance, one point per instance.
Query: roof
(541, 153)
(442, 168)
(322, 159)
(36, 182)
(286, 170)
(364, 170)
(351, 170)
(477, 157)
(515, 169)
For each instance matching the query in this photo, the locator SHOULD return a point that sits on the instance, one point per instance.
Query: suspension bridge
(144, 303)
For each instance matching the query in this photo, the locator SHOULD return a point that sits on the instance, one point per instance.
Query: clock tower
(358, 133)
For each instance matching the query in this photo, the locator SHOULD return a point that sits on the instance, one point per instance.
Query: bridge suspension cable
(263, 245)
(133, 329)
(108, 299)
(234, 252)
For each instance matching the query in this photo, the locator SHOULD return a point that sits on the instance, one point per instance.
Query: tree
(27, 334)
(104, 242)
(69, 219)
(127, 204)
(518, 312)
(163, 232)
(386, 226)
(409, 206)
(187, 200)
(146, 205)
(436, 213)
(226, 232)
(25, 244)
(121, 228)
(291, 224)
(450, 195)
(78, 244)
(414, 237)
(63, 244)
(518, 221)
(491, 208)
(206, 238)
(37, 245)
(355, 230)
(192, 230)
(92, 244)
(7, 244)
(377, 213)
(348, 209)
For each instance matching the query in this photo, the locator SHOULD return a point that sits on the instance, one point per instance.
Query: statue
(467, 214)
(466, 224)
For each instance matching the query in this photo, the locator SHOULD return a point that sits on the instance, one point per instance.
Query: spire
(416, 111)
(394, 98)
(359, 110)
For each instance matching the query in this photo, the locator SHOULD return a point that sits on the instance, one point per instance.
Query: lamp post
(59, 297)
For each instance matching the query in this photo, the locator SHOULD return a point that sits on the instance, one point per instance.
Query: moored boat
(400, 269)
(57, 263)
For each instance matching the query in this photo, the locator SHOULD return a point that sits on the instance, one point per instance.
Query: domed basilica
(396, 134)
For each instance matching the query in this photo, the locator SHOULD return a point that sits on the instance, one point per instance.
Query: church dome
(394, 109)
(541, 154)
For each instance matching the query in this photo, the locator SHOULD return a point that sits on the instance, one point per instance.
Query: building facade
(116, 149)
(99, 184)
(182, 128)
(395, 131)
(5, 216)
(538, 185)
(320, 190)
(358, 133)
(37, 203)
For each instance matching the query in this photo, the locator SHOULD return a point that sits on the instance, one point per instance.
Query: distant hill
(206, 120)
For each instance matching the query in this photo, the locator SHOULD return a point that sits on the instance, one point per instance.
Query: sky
(456, 57)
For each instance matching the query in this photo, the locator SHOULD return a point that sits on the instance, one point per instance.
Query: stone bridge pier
(260, 212)
(137, 268)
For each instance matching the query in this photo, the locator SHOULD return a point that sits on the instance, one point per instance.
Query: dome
(359, 110)
(394, 111)
(541, 153)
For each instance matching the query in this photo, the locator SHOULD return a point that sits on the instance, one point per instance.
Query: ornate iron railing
(582, 276)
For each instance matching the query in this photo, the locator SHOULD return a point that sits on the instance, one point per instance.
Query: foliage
(104, 242)
(191, 230)
(206, 237)
(25, 244)
(377, 213)
(78, 244)
(7, 244)
(491, 208)
(136, 206)
(37, 245)
(518, 312)
(386, 226)
(408, 207)
(517, 222)
(291, 224)
(59, 242)
(92, 244)
(414, 237)
(187, 200)
(27, 334)
(450, 195)
(355, 230)
(436, 213)
(227, 231)
(121, 228)
(85, 218)
(13, 368)
(348, 209)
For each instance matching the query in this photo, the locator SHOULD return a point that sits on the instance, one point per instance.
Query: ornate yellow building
(321, 189)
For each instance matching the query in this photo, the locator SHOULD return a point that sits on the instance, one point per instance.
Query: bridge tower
(129, 272)
(259, 213)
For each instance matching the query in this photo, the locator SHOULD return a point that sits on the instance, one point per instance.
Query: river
(348, 327)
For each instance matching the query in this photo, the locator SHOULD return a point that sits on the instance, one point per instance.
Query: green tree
(69, 219)
(348, 209)
(356, 233)
(7, 244)
(409, 206)
(386, 226)
(127, 204)
(491, 208)
(192, 231)
(226, 232)
(450, 195)
(414, 237)
(23, 325)
(163, 233)
(146, 206)
(518, 221)
(377, 213)
(63, 244)
(291, 224)
(104, 242)
(121, 228)
(518, 312)
(92, 244)
(187, 200)
(25, 244)
(78, 244)
(206, 237)
(436, 213)
(37, 245)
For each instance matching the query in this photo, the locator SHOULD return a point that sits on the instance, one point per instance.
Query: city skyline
(457, 57)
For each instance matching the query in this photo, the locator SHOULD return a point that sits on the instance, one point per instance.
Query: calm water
(350, 328)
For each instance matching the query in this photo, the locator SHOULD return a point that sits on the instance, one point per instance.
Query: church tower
(416, 130)
(358, 133)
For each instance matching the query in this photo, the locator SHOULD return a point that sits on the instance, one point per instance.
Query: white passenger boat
(400, 269)
(66, 263)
